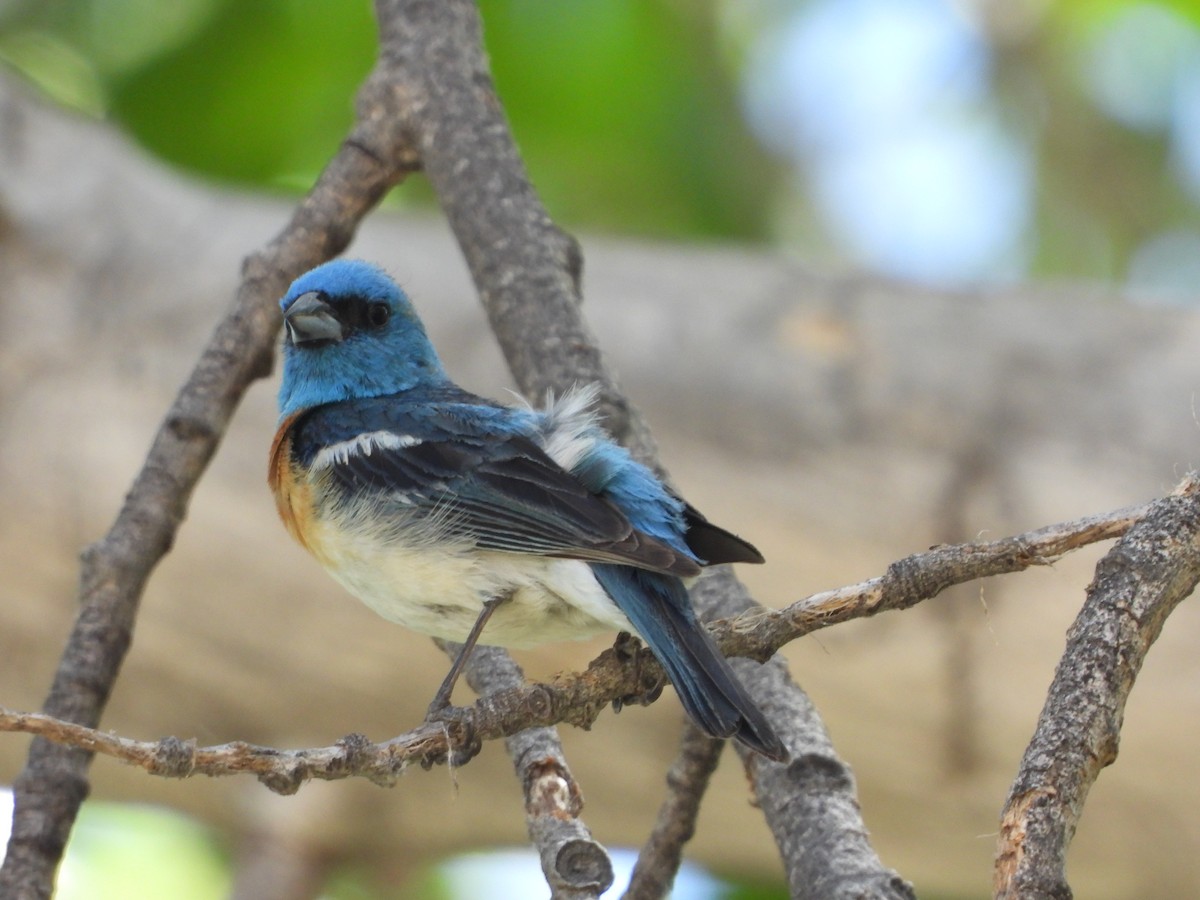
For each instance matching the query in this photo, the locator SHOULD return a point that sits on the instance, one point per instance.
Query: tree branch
(448, 108)
(812, 808)
(577, 698)
(919, 577)
(526, 270)
(430, 98)
(115, 569)
(1141, 580)
(811, 804)
(687, 781)
(576, 866)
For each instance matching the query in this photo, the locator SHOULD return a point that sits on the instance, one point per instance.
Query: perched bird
(469, 520)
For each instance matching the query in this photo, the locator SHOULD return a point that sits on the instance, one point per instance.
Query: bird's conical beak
(309, 319)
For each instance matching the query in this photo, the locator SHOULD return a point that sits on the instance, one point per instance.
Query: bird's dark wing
(500, 491)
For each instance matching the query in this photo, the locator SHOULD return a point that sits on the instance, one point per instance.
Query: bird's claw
(641, 698)
(462, 739)
(437, 708)
(628, 648)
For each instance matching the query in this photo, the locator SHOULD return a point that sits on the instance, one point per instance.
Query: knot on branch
(540, 703)
(188, 428)
(909, 581)
(528, 706)
(285, 777)
(357, 751)
(173, 758)
(819, 774)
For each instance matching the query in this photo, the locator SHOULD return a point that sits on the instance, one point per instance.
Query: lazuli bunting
(466, 519)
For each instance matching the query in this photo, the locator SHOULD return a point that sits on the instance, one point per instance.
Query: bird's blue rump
(430, 503)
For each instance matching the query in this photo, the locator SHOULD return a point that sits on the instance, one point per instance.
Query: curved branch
(1141, 580)
(527, 271)
(687, 780)
(448, 110)
(512, 706)
(114, 570)
(919, 577)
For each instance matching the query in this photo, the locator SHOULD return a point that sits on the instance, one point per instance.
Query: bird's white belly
(440, 590)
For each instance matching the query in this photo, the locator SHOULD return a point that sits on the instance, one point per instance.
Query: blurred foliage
(1105, 186)
(624, 121)
(123, 851)
(229, 103)
(257, 93)
(629, 113)
(624, 118)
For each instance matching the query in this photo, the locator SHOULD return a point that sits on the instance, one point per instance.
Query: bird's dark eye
(378, 314)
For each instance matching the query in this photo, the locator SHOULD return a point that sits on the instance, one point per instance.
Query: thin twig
(1141, 580)
(687, 781)
(114, 571)
(576, 698)
(919, 577)
(575, 865)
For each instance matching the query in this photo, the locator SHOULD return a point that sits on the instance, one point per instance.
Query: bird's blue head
(351, 332)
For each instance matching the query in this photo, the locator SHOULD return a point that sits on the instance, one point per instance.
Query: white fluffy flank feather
(362, 445)
(570, 431)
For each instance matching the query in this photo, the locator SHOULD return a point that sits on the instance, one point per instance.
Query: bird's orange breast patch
(293, 493)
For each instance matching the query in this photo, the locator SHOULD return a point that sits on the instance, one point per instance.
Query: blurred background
(946, 141)
(931, 264)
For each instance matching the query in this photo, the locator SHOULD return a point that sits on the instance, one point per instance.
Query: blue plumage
(430, 503)
(365, 361)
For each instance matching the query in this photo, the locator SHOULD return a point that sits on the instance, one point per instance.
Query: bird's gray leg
(441, 700)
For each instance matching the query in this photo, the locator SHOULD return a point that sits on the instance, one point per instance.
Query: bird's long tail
(659, 609)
